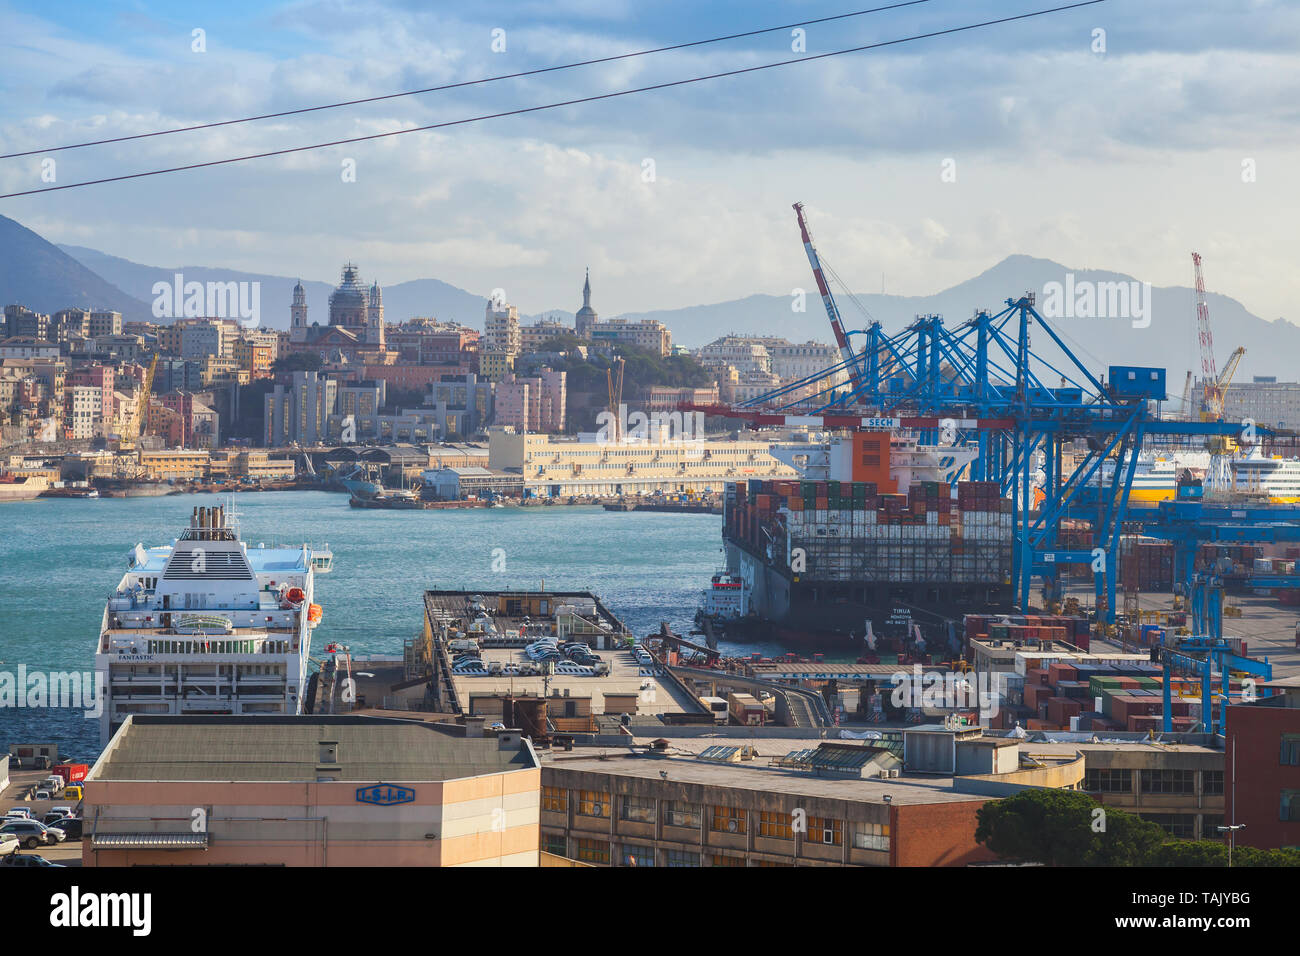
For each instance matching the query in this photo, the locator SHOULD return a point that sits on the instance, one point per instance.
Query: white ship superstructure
(1155, 477)
(1277, 478)
(209, 625)
(821, 457)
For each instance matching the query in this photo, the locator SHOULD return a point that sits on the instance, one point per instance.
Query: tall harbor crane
(847, 356)
(1218, 476)
(1209, 373)
(614, 384)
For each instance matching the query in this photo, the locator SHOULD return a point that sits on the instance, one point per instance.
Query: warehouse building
(311, 791)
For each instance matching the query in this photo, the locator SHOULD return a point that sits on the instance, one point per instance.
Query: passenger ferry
(208, 625)
(1156, 476)
(1276, 478)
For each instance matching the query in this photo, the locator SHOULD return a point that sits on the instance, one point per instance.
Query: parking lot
(67, 853)
(626, 676)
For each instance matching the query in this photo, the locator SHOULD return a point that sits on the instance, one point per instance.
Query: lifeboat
(314, 613)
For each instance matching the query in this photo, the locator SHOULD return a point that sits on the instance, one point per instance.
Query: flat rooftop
(758, 775)
(626, 676)
(287, 749)
(510, 611)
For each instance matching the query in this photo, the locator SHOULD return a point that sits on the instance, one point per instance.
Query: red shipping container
(1060, 672)
(1061, 709)
(71, 772)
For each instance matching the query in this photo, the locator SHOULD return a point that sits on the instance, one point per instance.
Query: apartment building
(104, 322)
(649, 334)
(501, 328)
(532, 403)
(1265, 401)
(299, 412)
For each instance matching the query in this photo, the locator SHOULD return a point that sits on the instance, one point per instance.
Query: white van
(463, 644)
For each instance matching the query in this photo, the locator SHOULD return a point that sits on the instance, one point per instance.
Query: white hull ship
(1155, 477)
(208, 625)
(1277, 479)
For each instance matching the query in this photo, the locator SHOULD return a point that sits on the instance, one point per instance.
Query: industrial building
(1262, 763)
(554, 467)
(310, 791)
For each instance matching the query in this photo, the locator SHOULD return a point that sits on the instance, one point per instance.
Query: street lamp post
(1232, 838)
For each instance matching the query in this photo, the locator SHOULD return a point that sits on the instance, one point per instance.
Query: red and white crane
(832, 310)
(1209, 370)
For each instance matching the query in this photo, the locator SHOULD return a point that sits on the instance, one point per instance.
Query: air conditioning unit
(883, 774)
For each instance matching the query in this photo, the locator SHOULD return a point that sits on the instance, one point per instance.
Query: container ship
(208, 625)
(874, 542)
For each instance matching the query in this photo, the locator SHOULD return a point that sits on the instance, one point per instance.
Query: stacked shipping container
(848, 531)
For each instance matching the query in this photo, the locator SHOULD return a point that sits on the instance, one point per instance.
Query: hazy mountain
(429, 297)
(37, 274)
(1161, 331)
(1170, 340)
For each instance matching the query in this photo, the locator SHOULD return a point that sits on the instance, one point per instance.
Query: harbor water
(62, 557)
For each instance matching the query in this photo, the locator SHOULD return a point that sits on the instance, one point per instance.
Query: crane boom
(828, 300)
(1209, 372)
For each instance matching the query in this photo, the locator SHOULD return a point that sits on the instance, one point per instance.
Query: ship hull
(835, 614)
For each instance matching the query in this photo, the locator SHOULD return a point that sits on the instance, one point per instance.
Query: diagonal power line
(551, 106)
(464, 83)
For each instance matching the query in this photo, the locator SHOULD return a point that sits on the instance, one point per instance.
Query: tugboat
(726, 602)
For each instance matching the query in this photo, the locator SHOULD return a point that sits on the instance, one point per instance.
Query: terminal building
(553, 467)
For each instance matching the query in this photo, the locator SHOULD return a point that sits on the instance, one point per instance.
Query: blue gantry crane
(1202, 657)
(982, 383)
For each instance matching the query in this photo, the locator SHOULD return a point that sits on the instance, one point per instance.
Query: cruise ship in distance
(1276, 478)
(208, 625)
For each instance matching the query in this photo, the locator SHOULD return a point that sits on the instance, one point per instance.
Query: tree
(1063, 828)
(296, 362)
(1052, 827)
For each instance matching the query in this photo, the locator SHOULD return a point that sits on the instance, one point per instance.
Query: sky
(1122, 135)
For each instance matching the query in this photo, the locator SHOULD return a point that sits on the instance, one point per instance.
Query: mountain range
(45, 277)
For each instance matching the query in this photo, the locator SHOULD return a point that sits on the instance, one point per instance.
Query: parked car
(570, 669)
(19, 812)
(8, 842)
(32, 833)
(71, 827)
(475, 668)
(42, 795)
(25, 859)
(52, 818)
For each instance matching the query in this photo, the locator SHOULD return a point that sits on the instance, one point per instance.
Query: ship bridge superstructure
(209, 625)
